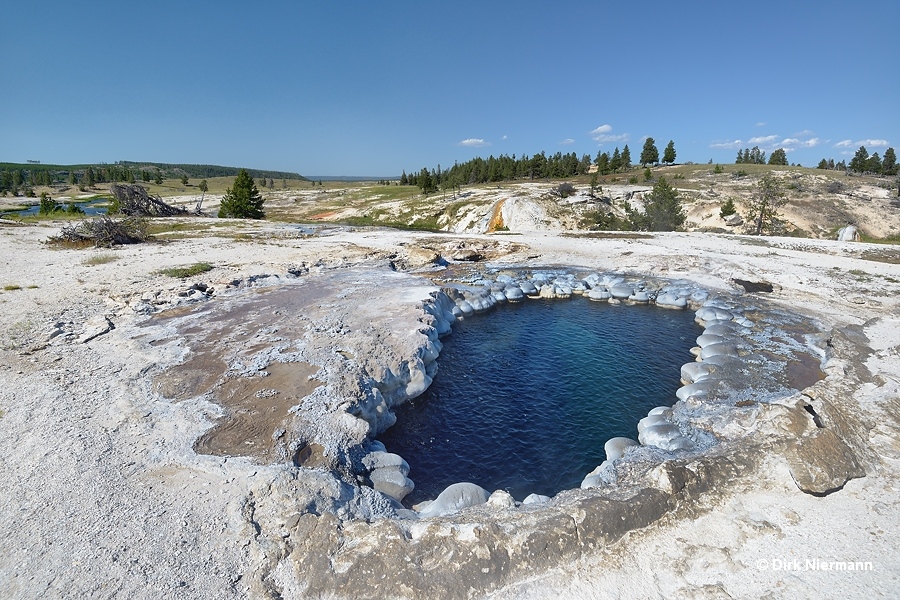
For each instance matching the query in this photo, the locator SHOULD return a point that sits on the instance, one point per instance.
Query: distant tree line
(863, 163)
(16, 179)
(207, 171)
(539, 166)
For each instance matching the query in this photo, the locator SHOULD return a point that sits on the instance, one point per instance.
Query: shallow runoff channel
(527, 395)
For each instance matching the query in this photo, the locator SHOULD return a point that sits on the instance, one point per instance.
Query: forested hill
(206, 171)
(125, 170)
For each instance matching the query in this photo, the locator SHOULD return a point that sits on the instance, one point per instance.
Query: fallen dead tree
(103, 232)
(134, 201)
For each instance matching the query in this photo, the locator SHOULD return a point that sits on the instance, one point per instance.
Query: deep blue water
(527, 394)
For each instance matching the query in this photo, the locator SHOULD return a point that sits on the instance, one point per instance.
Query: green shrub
(727, 208)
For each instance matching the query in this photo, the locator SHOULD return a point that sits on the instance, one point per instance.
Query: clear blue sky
(371, 88)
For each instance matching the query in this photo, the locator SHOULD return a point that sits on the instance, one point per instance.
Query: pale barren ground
(103, 495)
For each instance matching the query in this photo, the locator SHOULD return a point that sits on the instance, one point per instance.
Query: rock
(754, 286)
(707, 338)
(514, 293)
(712, 313)
(697, 390)
(465, 255)
(651, 420)
(596, 477)
(536, 499)
(694, 372)
(734, 220)
(455, 498)
(719, 349)
(660, 410)
(379, 459)
(620, 291)
(639, 297)
(528, 288)
(615, 447)
(599, 294)
(391, 482)
(670, 300)
(417, 256)
(666, 436)
(501, 499)
(95, 327)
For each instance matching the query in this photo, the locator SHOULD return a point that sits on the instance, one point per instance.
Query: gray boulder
(455, 498)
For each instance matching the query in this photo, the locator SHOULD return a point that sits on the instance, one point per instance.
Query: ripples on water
(526, 395)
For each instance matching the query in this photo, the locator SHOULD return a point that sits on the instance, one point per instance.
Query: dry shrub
(102, 232)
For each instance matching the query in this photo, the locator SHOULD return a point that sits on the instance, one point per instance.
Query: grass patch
(426, 224)
(190, 271)
(11, 287)
(755, 242)
(891, 239)
(884, 256)
(100, 259)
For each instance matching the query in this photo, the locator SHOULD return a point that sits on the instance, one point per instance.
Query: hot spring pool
(527, 394)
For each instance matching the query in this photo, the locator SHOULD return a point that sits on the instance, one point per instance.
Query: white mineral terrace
(214, 436)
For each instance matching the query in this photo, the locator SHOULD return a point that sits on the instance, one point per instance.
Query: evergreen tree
(823, 164)
(873, 165)
(159, 177)
(184, 180)
(727, 209)
(603, 163)
(403, 178)
(242, 200)
(626, 158)
(649, 153)
(426, 182)
(778, 157)
(860, 159)
(669, 153)
(662, 209)
(763, 208)
(616, 161)
(889, 162)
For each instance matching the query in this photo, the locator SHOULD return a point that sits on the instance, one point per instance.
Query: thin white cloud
(790, 142)
(804, 133)
(765, 139)
(503, 138)
(761, 124)
(567, 141)
(844, 144)
(811, 143)
(602, 135)
(726, 145)
(876, 143)
(473, 143)
(611, 138)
